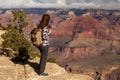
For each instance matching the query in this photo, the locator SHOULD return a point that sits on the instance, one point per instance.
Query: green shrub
(52, 60)
(14, 37)
(14, 40)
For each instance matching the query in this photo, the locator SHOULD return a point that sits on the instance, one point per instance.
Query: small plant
(52, 60)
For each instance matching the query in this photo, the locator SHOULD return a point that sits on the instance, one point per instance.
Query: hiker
(43, 48)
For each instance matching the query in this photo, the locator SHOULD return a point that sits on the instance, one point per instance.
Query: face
(50, 30)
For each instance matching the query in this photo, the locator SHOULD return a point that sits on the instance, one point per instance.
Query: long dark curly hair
(44, 22)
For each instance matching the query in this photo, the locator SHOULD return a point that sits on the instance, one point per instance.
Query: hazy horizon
(100, 4)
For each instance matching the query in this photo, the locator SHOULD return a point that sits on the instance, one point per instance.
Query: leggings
(44, 54)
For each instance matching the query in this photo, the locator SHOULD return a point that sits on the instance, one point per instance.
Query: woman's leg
(43, 59)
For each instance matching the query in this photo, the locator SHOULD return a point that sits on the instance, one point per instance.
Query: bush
(14, 40)
(52, 60)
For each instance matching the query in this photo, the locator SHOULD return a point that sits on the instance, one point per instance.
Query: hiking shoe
(43, 74)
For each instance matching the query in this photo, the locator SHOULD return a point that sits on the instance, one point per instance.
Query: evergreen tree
(14, 40)
(20, 20)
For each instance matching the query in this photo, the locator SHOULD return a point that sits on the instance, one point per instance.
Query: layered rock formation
(92, 47)
(87, 43)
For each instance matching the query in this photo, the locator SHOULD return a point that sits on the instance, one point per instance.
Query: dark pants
(44, 54)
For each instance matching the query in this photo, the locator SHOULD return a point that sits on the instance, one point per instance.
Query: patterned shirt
(45, 36)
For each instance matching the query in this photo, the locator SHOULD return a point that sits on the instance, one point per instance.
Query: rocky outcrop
(11, 71)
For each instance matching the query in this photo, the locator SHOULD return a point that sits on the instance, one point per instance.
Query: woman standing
(45, 45)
